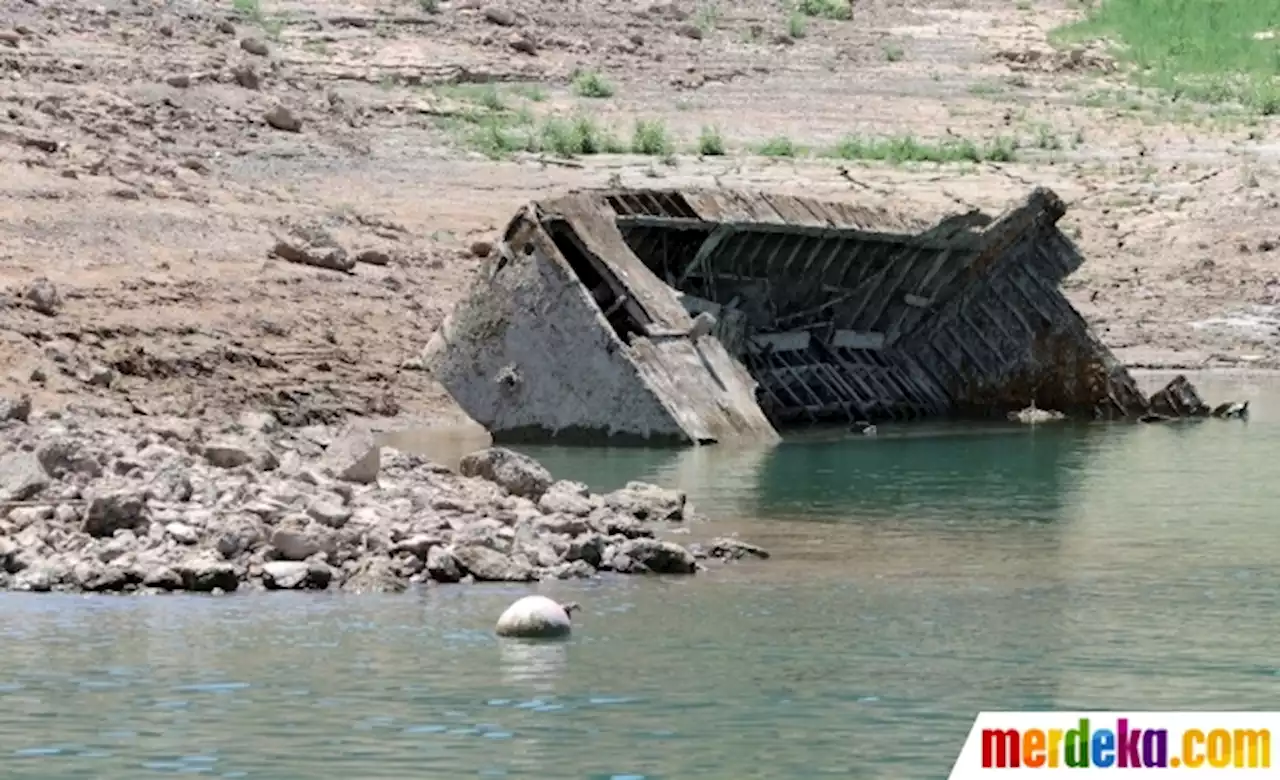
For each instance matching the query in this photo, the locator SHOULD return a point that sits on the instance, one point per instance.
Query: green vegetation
(249, 8)
(893, 52)
(797, 25)
(495, 124)
(710, 142)
(650, 137)
(839, 10)
(1214, 51)
(591, 84)
(907, 149)
(429, 6)
(707, 16)
(778, 146)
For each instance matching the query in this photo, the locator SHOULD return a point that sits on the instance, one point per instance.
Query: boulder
(518, 474)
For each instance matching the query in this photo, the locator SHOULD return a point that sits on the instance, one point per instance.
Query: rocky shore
(154, 505)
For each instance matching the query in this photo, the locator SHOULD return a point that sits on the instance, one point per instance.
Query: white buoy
(536, 617)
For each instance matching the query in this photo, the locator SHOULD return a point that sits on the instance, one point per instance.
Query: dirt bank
(152, 155)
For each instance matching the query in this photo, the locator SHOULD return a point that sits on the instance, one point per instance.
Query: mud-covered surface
(152, 157)
(162, 504)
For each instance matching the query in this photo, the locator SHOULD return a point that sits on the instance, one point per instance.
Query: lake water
(919, 576)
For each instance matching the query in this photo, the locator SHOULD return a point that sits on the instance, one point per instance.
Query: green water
(918, 577)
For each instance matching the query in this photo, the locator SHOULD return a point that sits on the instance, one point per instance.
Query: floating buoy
(536, 617)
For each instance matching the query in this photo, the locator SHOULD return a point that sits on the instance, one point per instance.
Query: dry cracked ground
(153, 153)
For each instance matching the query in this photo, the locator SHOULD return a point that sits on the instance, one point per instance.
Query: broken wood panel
(595, 228)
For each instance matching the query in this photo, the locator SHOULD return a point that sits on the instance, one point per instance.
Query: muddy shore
(147, 176)
(165, 504)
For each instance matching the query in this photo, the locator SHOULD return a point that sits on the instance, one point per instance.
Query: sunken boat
(698, 316)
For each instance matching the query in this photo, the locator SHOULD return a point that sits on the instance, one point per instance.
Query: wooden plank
(857, 339)
(790, 341)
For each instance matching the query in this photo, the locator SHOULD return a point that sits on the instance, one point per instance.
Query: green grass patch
(711, 142)
(485, 96)
(650, 137)
(907, 149)
(894, 52)
(839, 10)
(797, 25)
(1212, 51)
(707, 16)
(591, 84)
(779, 146)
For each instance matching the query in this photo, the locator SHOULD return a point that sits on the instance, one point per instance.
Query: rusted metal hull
(822, 312)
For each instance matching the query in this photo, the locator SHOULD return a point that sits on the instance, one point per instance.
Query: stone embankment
(165, 505)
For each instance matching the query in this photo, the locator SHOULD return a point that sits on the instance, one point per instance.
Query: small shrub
(591, 84)
(710, 142)
(839, 10)
(797, 25)
(429, 6)
(894, 53)
(780, 146)
(650, 138)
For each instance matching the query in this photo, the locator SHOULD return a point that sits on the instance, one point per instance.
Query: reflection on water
(919, 576)
(535, 665)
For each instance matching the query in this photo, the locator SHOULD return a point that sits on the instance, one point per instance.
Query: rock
(373, 257)
(648, 502)
(500, 16)
(151, 503)
(565, 497)
(291, 575)
(99, 375)
(205, 575)
(110, 513)
(246, 76)
(21, 477)
(523, 43)
(481, 248)
(65, 455)
(518, 474)
(43, 297)
(333, 258)
(94, 577)
(293, 544)
(572, 570)
(354, 456)
(255, 46)
(38, 578)
(535, 617)
(16, 408)
(329, 510)
(689, 31)
(282, 118)
(488, 565)
(182, 533)
(226, 27)
(179, 80)
(588, 549)
(418, 545)
(728, 548)
(227, 455)
(442, 566)
(659, 557)
(162, 578)
(374, 575)
(10, 38)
